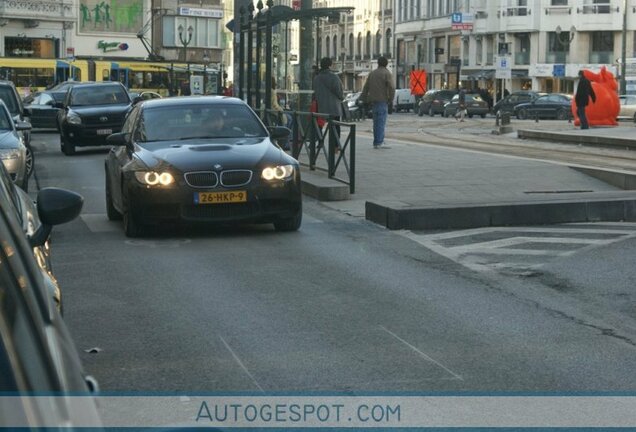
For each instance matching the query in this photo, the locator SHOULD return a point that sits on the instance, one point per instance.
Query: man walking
(379, 91)
(584, 92)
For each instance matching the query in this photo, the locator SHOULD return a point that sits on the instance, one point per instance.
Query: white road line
(514, 241)
(488, 230)
(511, 251)
(240, 363)
(421, 353)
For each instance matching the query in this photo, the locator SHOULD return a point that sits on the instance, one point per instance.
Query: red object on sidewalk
(314, 109)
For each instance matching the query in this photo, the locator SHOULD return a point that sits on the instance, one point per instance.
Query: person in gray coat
(328, 90)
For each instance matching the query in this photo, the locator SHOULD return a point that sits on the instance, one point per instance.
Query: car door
(120, 156)
(43, 114)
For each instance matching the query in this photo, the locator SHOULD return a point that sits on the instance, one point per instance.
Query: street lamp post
(185, 41)
(623, 82)
(206, 59)
(565, 40)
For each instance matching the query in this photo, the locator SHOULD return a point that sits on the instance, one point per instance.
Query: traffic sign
(503, 70)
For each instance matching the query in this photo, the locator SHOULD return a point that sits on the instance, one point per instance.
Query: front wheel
(522, 114)
(289, 224)
(431, 113)
(132, 227)
(561, 115)
(67, 148)
(29, 162)
(483, 115)
(111, 211)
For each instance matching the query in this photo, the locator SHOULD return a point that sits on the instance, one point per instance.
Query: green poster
(110, 16)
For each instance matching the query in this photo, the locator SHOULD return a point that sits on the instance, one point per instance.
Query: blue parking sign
(456, 18)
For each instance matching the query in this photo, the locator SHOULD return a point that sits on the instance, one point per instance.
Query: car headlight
(279, 172)
(7, 154)
(73, 118)
(153, 178)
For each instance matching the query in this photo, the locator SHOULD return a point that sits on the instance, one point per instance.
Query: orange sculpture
(604, 111)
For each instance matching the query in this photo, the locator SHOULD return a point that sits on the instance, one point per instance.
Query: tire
(289, 224)
(635, 118)
(132, 227)
(111, 211)
(482, 115)
(67, 148)
(561, 114)
(470, 115)
(420, 110)
(522, 114)
(29, 162)
(431, 113)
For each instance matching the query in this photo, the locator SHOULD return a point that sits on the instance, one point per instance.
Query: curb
(476, 216)
(322, 188)
(575, 138)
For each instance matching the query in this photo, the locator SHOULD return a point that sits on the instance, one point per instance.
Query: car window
(43, 99)
(199, 121)
(129, 124)
(8, 193)
(8, 96)
(514, 98)
(103, 95)
(6, 122)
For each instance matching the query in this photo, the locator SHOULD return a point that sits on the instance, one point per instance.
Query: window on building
(522, 49)
(558, 47)
(378, 43)
(359, 47)
(559, 2)
(490, 49)
(350, 45)
(367, 45)
(335, 46)
(327, 47)
(388, 44)
(602, 47)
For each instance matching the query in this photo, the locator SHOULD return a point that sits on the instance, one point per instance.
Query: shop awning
(484, 74)
(520, 73)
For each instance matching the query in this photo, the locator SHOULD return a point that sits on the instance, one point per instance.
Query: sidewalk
(433, 186)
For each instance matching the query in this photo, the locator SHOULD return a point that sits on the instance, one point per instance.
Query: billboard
(110, 16)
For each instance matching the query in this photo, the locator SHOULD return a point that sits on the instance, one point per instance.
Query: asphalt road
(342, 305)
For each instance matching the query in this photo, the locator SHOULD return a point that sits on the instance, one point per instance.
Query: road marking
(422, 354)
(483, 255)
(240, 363)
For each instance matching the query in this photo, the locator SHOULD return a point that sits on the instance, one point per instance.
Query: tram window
(28, 77)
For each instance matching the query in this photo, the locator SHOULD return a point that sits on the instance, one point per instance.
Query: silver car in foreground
(12, 148)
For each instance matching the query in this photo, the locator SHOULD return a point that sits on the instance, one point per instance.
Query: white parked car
(628, 107)
(403, 100)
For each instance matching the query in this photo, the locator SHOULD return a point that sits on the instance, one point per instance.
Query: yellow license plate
(220, 197)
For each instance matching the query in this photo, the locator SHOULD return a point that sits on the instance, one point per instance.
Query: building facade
(513, 44)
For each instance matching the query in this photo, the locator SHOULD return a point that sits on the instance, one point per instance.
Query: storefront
(25, 47)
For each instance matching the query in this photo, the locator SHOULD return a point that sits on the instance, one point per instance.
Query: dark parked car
(200, 159)
(475, 105)
(13, 152)
(9, 95)
(42, 111)
(508, 103)
(90, 113)
(551, 106)
(434, 100)
(37, 354)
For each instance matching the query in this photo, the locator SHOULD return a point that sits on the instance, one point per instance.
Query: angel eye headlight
(152, 178)
(279, 172)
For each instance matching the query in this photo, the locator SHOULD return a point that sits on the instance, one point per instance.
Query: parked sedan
(508, 103)
(434, 100)
(37, 354)
(628, 107)
(41, 110)
(90, 113)
(200, 159)
(475, 105)
(13, 152)
(551, 106)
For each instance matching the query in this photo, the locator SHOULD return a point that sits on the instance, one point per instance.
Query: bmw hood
(203, 155)
(8, 139)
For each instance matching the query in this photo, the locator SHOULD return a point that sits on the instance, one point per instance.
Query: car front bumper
(16, 168)
(80, 135)
(265, 203)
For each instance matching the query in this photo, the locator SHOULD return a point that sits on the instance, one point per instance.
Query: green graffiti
(86, 14)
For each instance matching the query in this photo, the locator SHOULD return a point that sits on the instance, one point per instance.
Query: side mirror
(55, 206)
(50, 102)
(137, 99)
(279, 132)
(22, 126)
(118, 139)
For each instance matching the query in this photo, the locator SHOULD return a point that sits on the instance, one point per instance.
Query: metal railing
(310, 139)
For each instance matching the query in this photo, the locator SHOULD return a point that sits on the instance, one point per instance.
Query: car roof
(192, 100)
(97, 84)
(7, 83)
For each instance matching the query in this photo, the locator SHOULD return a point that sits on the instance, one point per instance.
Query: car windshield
(8, 97)
(196, 121)
(92, 95)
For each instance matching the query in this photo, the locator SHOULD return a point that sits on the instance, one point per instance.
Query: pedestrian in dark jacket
(328, 90)
(584, 92)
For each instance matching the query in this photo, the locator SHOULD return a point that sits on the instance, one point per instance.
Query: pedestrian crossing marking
(477, 250)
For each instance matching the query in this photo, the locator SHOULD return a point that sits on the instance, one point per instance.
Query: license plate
(220, 197)
(104, 131)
